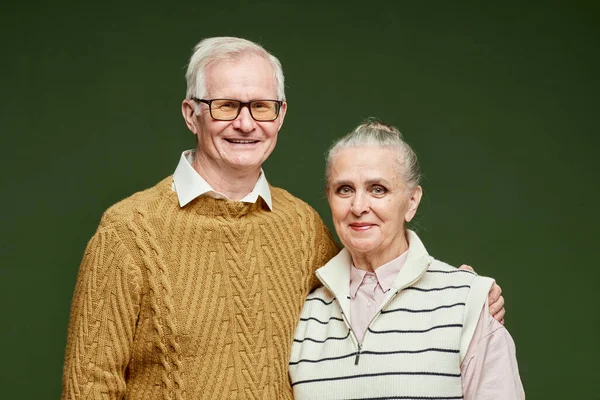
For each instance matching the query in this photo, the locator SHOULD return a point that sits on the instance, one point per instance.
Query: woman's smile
(361, 226)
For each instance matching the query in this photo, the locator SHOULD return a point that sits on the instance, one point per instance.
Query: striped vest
(413, 347)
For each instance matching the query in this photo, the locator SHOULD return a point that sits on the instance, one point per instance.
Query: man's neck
(235, 184)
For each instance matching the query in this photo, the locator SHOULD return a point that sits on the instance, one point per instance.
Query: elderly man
(192, 289)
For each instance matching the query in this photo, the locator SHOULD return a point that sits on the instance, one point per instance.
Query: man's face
(243, 144)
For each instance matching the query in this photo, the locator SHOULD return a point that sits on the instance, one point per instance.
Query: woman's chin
(361, 246)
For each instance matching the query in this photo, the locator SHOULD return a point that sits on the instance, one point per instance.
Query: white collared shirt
(188, 184)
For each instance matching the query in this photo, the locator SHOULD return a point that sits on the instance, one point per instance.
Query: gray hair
(211, 50)
(374, 133)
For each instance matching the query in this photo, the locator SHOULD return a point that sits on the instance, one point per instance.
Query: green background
(499, 100)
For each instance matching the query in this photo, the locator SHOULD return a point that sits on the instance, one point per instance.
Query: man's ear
(413, 203)
(188, 110)
(282, 112)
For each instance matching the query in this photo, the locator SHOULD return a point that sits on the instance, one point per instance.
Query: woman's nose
(360, 205)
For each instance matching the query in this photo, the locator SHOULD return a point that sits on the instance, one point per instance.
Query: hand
(466, 267)
(495, 299)
(496, 302)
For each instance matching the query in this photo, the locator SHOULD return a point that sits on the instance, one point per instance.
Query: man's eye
(227, 105)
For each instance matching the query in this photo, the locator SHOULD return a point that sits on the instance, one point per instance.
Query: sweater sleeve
(104, 312)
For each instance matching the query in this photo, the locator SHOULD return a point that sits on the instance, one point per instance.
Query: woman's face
(370, 202)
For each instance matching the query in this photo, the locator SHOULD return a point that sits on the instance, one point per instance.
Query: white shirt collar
(188, 184)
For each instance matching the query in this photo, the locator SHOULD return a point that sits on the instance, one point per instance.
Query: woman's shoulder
(320, 304)
(448, 272)
(438, 266)
(320, 295)
(441, 271)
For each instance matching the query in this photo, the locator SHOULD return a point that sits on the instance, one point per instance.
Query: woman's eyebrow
(341, 182)
(378, 181)
(368, 182)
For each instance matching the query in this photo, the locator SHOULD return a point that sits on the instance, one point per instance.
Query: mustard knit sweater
(199, 302)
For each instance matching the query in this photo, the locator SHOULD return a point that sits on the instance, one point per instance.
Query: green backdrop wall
(500, 101)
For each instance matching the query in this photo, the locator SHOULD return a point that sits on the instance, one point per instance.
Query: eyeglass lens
(261, 110)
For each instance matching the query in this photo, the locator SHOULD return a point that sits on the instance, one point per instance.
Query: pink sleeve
(489, 370)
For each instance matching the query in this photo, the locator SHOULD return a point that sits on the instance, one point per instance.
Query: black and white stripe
(410, 351)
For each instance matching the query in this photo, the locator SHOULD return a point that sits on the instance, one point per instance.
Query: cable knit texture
(199, 302)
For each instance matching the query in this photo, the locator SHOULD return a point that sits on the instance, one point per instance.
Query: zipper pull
(357, 356)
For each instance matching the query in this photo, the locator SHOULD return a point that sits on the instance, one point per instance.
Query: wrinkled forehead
(248, 74)
(363, 164)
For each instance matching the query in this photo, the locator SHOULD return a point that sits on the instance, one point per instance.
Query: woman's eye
(343, 190)
(379, 190)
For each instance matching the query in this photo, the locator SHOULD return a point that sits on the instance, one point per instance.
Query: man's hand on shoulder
(495, 298)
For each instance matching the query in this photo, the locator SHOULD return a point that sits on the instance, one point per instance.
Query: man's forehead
(248, 62)
(251, 76)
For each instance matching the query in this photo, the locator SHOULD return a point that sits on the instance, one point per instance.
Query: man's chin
(245, 165)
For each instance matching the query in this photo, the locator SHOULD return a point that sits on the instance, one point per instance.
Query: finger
(500, 316)
(495, 292)
(496, 306)
(466, 267)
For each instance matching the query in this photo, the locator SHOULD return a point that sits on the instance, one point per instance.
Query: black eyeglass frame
(242, 104)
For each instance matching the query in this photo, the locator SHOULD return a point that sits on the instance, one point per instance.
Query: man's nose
(244, 121)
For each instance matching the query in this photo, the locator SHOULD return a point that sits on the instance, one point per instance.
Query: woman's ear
(413, 203)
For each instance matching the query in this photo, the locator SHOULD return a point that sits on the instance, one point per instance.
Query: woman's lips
(361, 226)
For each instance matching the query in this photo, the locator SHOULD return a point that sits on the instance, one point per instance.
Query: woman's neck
(371, 260)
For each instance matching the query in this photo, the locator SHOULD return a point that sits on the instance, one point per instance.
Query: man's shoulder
(284, 199)
(143, 202)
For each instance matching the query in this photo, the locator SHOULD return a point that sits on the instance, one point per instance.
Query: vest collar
(335, 275)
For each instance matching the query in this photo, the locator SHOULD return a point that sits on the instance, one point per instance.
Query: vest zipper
(352, 334)
(357, 355)
(358, 345)
(384, 305)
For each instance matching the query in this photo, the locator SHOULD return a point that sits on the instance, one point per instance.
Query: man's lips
(241, 141)
(361, 226)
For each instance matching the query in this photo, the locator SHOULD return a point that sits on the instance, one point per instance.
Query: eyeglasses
(229, 109)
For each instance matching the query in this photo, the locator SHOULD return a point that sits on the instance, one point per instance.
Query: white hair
(374, 133)
(215, 49)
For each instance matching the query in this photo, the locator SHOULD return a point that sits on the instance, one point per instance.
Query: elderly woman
(391, 321)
